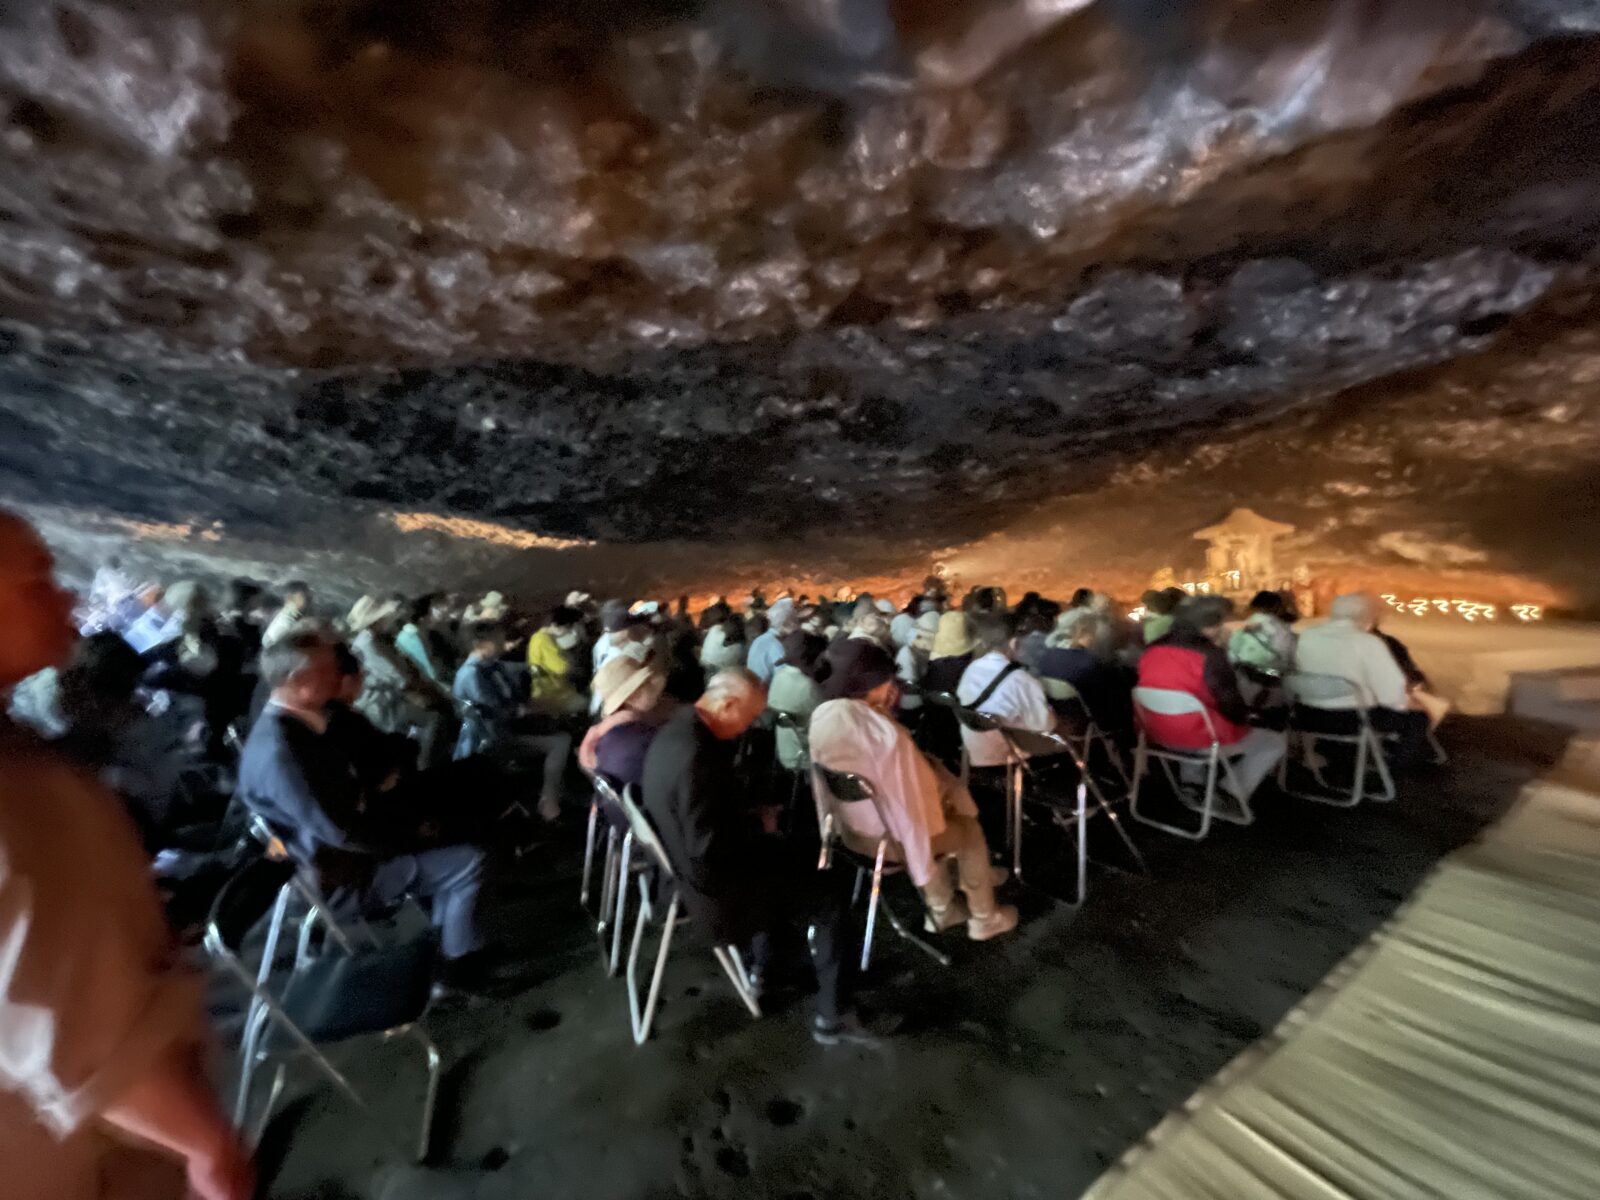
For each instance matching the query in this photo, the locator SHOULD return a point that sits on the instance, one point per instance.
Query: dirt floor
(1023, 1070)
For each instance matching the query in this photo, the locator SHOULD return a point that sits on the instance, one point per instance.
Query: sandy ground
(1023, 1070)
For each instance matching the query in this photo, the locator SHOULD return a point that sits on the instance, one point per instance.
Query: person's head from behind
(1205, 615)
(1269, 603)
(297, 596)
(803, 650)
(100, 677)
(1165, 603)
(241, 596)
(1090, 632)
(1080, 598)
(633, 681)
(731, 703)
(488, 639)
(301, 671)
(35, 615)
(865, 671)
(733, 631)
(1359, 608)
(992, 633)
(351, 677)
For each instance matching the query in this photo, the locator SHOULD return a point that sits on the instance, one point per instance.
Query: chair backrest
(1326, 691)
(644, 833)
(1168, 702)
(243, 901)
(1030, 743)
(843, 787)
(978, 722)
(942, 699)
(1059, 689)
(604, 789)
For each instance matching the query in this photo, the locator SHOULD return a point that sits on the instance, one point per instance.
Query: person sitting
(1418, 686)
(794, 691)
(397, 696)
(911, 660)
(766, 651)
(928, 813)
(497, 721)
(1264, 645)
(296, 607)
(140, 757)
(951, 653)
(1190, 659)
(997, 686)
(1033, 631)
(631, 689)
(550, 659)
(1346, 647)
(1105, 688)
(693, 796)
(412, 640)
(1160, 610)
(723, 648)
(295, 776)
(380, 760)
(616, 631)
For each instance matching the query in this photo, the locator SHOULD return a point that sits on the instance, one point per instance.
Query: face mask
(567, 639)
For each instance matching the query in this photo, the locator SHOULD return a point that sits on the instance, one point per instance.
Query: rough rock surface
(750, 271)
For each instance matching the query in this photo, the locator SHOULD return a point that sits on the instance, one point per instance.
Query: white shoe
(940, 919)
(1002, 920)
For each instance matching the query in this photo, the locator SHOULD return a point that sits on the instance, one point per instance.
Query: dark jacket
(1106, 689)
(693, 798)
(301, 783)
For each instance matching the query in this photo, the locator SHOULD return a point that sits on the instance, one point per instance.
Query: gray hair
(1353, 606)
(737, 685)
(287, 657)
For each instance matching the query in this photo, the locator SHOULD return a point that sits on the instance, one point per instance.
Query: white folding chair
(1334, 693)
(642, 1009)
(840, 788)
(1215, 758)
(615, 877)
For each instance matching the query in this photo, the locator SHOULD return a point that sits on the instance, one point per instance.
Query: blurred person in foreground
(101, 1030)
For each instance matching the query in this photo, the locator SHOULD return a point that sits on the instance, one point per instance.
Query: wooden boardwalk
(1455, 1055)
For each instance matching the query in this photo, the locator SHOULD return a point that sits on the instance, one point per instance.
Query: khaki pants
(963, 838)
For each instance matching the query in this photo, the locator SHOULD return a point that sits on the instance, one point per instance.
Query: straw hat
(620, 678)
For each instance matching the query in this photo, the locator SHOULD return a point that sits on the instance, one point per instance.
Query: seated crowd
(389, 751)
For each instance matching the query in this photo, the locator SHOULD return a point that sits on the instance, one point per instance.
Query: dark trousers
(1408, 729)
(449, 877)
(835, 944)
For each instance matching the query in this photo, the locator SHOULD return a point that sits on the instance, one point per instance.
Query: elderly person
(926, 813)
(1105, 688)
(397, 696)
(996, 685)
(767, 651)
(498, 721)
(1264, 644)
(102, 1030)
(1346, 647)
(794, 690)
(950, 654)
(630, 689)
(1190, 659)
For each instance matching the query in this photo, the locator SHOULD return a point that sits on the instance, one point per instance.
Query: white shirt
(1341, 648)
(281, 626)
(847, 735)
(1018, 703)
(796, 693)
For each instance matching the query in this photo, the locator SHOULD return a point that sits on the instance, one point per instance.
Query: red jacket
(1184, 661)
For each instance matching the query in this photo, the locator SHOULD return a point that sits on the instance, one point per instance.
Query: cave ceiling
(752, 270)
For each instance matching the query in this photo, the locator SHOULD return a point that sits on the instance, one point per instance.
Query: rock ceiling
(753, 270)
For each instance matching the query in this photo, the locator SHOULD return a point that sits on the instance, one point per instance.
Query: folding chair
(642, 1011)
(319, 1000)
(797, 727)
(1335, 694)
(616, 876)
(842, 787)
(1082, 743)
(1215, 758)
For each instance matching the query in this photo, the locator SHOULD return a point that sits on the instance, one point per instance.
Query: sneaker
(940, 919)
(1002, 920)
(850, 1030)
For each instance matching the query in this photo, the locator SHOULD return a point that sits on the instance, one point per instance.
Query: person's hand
(224, 1173)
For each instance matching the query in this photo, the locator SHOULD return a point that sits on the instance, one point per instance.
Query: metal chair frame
(1367, 741)
(642, 1008)
(1214, 758)
(265, 1010)
(788, 722)
(845, 787)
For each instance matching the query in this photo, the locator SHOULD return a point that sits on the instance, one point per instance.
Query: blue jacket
(491, 692)
(301, 784)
